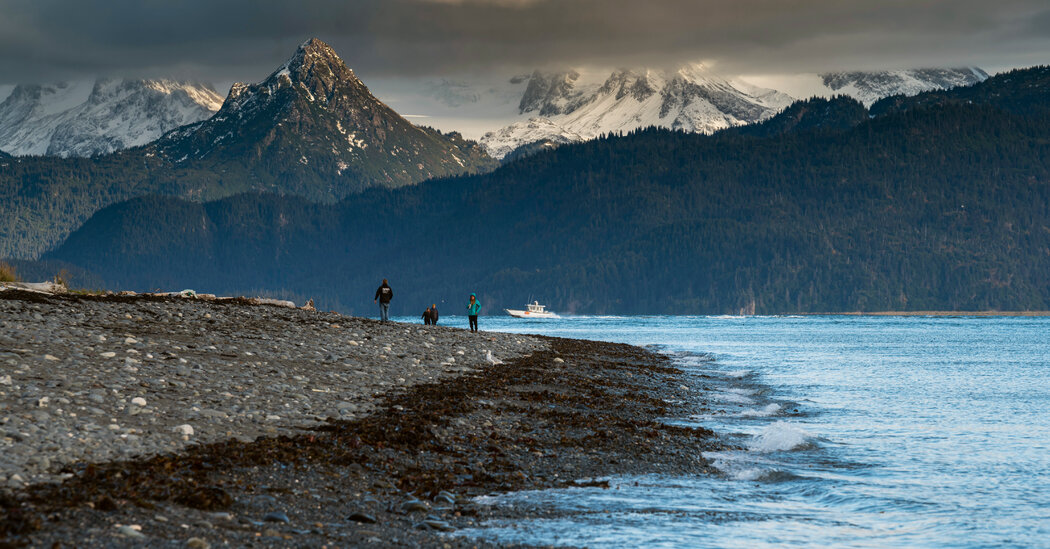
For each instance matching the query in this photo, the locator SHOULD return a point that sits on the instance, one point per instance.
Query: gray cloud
(224, 40)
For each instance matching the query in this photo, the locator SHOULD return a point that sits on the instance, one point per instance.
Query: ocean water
(853, 432)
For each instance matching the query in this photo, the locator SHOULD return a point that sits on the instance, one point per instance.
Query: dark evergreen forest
(932, 204)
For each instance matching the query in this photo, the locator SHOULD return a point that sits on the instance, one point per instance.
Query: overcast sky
(227, 40)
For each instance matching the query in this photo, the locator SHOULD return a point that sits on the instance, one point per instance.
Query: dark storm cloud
(245, 39)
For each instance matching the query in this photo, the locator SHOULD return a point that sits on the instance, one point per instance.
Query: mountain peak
(317, 68)
(639, 84)
(315, 53)
(551, 93)
(316, 46)
(314, 115)
(314, 74)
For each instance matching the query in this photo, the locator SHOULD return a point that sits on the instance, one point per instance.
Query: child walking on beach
(472, 312)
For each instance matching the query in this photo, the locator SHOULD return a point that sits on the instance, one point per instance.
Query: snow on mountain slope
(572, 106)
(506, 140)
(551, 94)
(316, 125)
(85, 119)
(29, 115)
(869, 87)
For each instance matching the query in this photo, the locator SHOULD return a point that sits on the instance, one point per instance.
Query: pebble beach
(153, 420)
(95, 379)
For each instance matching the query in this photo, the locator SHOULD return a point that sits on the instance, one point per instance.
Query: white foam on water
(766, 411)
(750, 474)
(780, 437)
(488, 500)
(742, 466)
(759, 474)
(737, 373)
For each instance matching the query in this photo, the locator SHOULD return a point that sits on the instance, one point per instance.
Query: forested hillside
(1021, 91)
(311, 129)
(944, 206)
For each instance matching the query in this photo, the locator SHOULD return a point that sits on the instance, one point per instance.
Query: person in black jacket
(434, 314)
(383, 295)
(427, 318)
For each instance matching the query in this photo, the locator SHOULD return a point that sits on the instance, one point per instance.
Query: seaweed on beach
(473, 434)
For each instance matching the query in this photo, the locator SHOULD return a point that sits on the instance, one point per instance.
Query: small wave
(766, 411)
(727, 462)
(738, 373)
(742, 466)
(781, 437)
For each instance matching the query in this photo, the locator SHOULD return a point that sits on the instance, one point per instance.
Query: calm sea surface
(855, 432)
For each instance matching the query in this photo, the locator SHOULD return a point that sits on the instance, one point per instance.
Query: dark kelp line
(402, 475)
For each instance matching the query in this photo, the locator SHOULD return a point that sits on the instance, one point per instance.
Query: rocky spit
(165, 421)
(102, 379)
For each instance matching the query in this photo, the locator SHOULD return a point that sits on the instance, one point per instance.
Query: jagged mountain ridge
(691, 98)
(314, 110)
(551, 94)
(84, 119)
(870, 86)
(556, 107)
(108, 120)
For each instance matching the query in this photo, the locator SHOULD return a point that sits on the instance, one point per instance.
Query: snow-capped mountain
(85, 119)
(313, 114)
(572, 106)
(869, 87)
(30, 113)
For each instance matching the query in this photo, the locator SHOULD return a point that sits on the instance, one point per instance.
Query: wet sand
(403, 475)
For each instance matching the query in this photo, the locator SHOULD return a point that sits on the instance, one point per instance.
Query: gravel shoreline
(383, 442)
(104, 378)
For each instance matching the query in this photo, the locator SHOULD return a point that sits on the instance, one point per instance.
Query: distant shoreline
(934, 313)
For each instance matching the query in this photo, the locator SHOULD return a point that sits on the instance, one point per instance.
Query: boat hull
(528, 314)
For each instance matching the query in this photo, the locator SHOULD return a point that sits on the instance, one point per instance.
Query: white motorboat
(532, 310)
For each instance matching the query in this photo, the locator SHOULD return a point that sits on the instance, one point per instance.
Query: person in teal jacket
(472, 312)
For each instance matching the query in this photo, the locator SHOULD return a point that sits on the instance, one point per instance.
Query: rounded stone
(277, 516)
